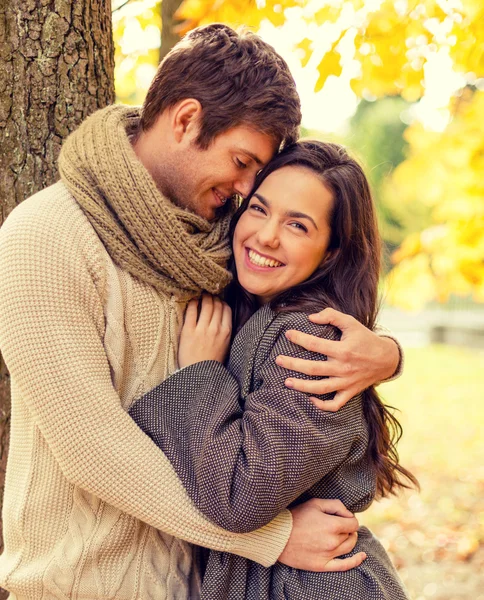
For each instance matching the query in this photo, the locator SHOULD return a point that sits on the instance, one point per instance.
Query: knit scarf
(167, 247)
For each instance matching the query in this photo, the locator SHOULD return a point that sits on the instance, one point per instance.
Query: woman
(246, 445)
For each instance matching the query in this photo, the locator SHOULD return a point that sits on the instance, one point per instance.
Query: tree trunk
(56, 67)
(168, 22)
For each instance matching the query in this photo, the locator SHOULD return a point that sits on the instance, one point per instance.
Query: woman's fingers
(191, 314)
(217, 313)
(227, 319)
(206, 311)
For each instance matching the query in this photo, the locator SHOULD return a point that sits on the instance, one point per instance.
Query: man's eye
(240, 164)
(257, 208)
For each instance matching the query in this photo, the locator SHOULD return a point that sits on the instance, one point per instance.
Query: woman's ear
(327, 256)
(185, 120)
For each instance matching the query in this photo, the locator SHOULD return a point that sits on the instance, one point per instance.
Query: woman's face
(282, 237)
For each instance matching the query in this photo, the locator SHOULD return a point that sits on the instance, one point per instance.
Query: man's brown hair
(237, 78)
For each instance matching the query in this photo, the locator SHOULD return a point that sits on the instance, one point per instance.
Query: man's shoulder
(51, 228)
(51, 216)
(50, 205)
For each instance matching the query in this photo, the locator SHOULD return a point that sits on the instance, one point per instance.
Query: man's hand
(322, 530)
(360, 359)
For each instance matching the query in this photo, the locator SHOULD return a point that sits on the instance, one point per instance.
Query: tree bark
(56, 67)
(168, 22)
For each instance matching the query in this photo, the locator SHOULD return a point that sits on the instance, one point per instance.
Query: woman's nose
(268, 235)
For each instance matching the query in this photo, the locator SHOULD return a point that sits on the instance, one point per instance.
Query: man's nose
(244, 185)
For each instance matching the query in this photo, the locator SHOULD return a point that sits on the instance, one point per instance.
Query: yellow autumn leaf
(306, 51)
(330, 65)
(423, 286)
(326, 14)
(410, 247)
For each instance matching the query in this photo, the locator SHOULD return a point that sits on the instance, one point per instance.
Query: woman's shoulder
(264, 335)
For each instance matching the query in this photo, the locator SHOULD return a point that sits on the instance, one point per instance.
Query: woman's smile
(258, 261)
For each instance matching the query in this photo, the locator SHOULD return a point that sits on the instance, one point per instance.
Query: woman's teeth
(261, 261)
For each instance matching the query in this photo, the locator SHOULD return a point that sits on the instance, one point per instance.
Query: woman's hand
(208, 336)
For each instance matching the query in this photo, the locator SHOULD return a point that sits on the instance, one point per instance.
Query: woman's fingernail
(289, 383)
(279, 361)
(289, 334)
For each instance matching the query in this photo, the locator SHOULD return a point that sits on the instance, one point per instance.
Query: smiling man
(202, 180)
(96, 272)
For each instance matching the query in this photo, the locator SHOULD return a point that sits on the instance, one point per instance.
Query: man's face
(203, 180)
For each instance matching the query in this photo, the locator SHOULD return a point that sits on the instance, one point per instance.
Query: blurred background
(401, 84)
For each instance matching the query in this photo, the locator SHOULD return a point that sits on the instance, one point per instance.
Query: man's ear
(185, 119)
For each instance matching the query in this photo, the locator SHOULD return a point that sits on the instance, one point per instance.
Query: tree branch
(121, 6)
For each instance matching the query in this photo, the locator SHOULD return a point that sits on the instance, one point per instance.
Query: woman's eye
(299, 226)
(257, 208)
(240, 164)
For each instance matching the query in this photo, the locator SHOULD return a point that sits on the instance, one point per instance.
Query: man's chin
(212, 214)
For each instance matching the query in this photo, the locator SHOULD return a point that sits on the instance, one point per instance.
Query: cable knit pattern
(87, 493)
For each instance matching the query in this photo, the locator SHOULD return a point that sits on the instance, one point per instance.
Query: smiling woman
(246, 444)
(276, 247)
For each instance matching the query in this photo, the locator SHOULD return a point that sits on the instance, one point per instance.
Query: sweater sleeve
(384, 332)
(244, 459)
(51, 337)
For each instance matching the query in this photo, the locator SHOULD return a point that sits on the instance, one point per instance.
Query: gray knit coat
(246, 446)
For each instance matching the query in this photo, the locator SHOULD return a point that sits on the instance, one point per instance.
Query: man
(95, 274)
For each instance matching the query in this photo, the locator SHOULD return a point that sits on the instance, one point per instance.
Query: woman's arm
(243, 464)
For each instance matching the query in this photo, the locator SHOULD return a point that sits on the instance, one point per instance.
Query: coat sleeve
(51, 336)
(243, 460)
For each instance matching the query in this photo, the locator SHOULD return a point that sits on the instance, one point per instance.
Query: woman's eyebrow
(263, 200)
(299, 215)
(292, 213)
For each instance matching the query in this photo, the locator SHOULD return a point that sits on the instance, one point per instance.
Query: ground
(436, 537)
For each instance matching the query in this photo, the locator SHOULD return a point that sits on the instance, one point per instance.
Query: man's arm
(360, 359)
(51, 336)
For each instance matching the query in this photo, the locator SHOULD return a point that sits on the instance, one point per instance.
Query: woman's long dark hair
(347, 280)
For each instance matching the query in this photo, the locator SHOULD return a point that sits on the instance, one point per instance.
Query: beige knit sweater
(92, 508)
